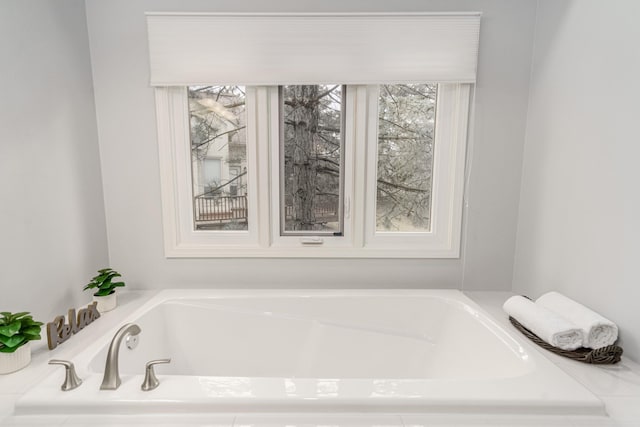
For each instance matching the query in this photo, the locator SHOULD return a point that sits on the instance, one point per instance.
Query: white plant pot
(106, 303)
(11, 362)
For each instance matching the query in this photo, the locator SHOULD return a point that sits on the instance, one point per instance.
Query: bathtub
(317, 351)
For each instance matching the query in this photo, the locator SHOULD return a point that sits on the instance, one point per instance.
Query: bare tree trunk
(305, 163)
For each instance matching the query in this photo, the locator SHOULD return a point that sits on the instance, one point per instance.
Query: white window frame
(449, 149)
(263, 239)
(313, 243)
(180, 237)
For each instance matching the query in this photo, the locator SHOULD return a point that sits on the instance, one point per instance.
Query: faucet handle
(71, 380)
(150, 380)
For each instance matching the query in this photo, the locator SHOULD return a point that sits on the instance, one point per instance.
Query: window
(406, 130)
(217, 123)
(349, 142)
(311, 168)
(317, 170)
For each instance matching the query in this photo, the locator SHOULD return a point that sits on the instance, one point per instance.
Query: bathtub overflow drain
(131, 341)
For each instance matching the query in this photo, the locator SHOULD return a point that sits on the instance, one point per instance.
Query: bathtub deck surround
(320, 351)
(617, 387)
(105, 289)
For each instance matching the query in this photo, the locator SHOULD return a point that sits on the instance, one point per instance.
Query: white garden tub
(318, 351)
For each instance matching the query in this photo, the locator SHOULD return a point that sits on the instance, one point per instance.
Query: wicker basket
(602, 356)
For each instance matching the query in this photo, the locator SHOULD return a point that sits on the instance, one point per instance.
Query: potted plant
(105, 295)
(16, 330)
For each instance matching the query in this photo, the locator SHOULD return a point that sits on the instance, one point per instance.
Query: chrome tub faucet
(111, 380)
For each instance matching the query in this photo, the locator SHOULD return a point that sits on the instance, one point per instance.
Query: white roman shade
(271, 49)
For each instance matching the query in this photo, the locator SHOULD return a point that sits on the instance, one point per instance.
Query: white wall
(127, 130)
(52, 223)
(578, 228)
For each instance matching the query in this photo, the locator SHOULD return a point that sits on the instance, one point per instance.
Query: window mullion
(358, 125)
(258, 159)
(273, 159)
(371, 156)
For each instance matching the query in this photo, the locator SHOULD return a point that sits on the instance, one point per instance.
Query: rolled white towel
(598, 331)
(552, 328)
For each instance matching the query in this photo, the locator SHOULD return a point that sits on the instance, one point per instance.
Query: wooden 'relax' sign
(59, 331)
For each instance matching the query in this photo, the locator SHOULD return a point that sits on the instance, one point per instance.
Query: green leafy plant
(104, 283)
(16, 329)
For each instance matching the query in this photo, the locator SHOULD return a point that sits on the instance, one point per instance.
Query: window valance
(273, 49)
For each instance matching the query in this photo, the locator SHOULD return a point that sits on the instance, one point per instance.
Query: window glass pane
(406, 127)
(218, 157)
(311, 141)
(211, 175)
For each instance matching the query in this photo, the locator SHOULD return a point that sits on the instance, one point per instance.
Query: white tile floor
(618, 386)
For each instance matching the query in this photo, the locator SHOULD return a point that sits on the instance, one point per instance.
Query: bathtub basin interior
(348, 337)
(284, 351)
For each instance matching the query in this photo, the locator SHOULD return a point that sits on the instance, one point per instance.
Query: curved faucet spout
(111, 380)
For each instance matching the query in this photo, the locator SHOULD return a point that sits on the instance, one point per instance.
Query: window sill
(192, 251)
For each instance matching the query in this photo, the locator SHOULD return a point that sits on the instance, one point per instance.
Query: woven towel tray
(602, 356)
